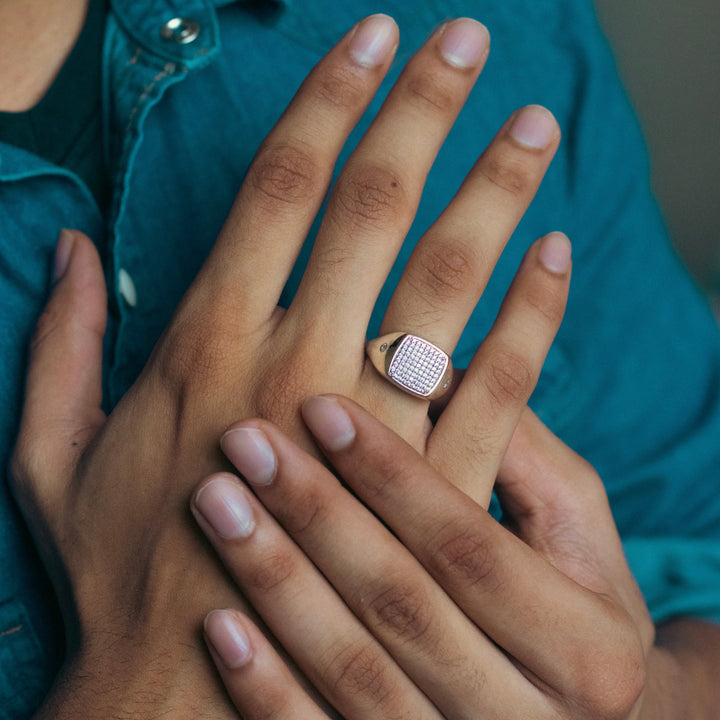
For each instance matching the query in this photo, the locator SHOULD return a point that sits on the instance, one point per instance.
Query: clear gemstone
(418, 365)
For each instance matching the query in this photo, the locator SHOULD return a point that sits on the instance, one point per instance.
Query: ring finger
(450, 266)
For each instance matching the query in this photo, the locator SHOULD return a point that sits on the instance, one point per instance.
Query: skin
(132, 607)
(36, 36)
(523, 591)
(521, 587)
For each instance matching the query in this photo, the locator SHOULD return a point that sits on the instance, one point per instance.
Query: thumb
(63, 393)
(555, 501)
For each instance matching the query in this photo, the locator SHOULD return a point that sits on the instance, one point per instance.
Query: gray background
(668, 54)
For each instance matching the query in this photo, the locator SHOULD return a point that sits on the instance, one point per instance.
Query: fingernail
(534, 126)
(328, 422)
(62, 254)
(228, 638)
(250, 452)
(464, 42)
(555, 252)
(222, 502)
(373, 40)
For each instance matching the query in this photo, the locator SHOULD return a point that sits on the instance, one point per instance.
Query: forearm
(682, 671)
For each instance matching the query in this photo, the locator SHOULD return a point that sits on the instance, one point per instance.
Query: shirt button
(126, 288)
(180, 30)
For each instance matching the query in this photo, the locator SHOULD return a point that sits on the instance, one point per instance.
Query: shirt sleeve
(644, 353)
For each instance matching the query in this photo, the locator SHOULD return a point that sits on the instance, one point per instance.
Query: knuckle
(359, 670)
(302, 512)
(608, 683)
(331, 260)
(47, 324)
(281, 390)
(444, 271)
(271, 571)
(506, 172)
(479, 443)
(402, 609)
(268, 702)
(612, 693)
(548, 302)
(396, 473)
(25, 467)
(283, 176)
(466, 554)
(428, 91)
(372, 197)
(339, 88)
(196, 353)
(509, 378)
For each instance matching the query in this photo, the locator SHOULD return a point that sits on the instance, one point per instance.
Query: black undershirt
(65, 126)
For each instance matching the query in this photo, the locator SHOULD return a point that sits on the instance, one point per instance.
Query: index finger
(533, 611)
(289, 176)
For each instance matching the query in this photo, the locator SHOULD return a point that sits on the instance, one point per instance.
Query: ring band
(414, 365)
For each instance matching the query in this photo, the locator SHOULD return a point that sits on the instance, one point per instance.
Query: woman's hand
(411, 601)
(106, 498)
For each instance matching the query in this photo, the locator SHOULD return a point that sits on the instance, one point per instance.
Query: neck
(36, 37)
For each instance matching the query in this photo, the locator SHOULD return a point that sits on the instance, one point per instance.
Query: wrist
(121, 677)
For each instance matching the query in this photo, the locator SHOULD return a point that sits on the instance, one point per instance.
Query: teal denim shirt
(631, 382)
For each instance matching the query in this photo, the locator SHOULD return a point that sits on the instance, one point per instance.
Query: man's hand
(106, 498)
(539, 617)
(374, 575)
(413, 596)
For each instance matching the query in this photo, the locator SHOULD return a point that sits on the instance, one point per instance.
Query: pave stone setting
(417, 365)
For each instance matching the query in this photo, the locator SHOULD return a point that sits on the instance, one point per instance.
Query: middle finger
(377, 194)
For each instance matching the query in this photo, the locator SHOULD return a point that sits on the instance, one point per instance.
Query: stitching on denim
(167, 70)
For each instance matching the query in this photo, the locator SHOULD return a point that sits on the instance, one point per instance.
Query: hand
(106, 497)
(431, 609)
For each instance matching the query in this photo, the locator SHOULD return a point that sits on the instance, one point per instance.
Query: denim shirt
(632, 382)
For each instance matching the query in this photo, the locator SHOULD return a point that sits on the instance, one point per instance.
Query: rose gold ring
(414, 365)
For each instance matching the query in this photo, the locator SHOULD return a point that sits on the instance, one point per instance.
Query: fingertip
(374, 40)
(63, 251)
(329, 422)
(226, 636)
(534, 127)
(223, 504)
(72, 243)
(556, 252)
(464, 43)
(250, 451)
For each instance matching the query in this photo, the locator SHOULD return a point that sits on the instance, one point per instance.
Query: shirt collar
(148, 23)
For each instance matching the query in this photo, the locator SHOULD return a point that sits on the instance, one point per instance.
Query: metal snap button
(180, 30)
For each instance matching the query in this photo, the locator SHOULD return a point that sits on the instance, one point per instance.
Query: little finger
(257, 680)
(472, 434)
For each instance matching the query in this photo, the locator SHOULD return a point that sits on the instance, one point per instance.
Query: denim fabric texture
(632, 382)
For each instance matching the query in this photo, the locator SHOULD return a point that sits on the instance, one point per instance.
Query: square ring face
(417, 365)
